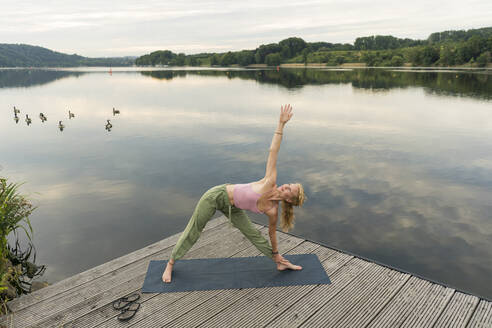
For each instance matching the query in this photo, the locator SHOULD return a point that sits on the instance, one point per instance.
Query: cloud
(96, 28)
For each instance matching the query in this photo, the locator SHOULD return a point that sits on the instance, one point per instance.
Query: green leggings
(216, 198)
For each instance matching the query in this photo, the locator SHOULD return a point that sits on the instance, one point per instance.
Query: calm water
(397, 166)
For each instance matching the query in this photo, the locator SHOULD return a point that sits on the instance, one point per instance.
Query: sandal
(128, 311)
(123, 302)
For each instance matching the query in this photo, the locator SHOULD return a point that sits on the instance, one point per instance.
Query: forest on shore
(449, 48)
(470, 48)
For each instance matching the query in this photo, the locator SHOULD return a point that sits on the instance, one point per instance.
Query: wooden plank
(426, 313)
(267, 310)
(158, 302)
(304, 308)
(396, 312)
(368, 308)
(155, 314)
(101, 288)
(100, 270)
(223, 300)
(101, 309)
(362, 294)
(261, 304)
(356, 293)
(482, 317)
(458, 312)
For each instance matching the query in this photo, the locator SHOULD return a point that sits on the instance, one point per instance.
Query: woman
(261, 196)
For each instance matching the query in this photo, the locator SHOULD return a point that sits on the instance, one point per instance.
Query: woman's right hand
(285, 113)
(278, 258)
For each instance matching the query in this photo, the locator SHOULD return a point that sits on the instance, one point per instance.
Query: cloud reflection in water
(403, 176)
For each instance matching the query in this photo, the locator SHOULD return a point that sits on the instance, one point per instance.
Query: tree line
(476, 51)
(448, 48)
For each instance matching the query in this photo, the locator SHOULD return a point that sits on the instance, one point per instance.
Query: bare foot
(284, 265)
(166, 276)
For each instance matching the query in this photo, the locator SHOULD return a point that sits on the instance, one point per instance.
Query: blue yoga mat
(233, 273)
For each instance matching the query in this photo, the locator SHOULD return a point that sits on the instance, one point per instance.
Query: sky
(134, 28)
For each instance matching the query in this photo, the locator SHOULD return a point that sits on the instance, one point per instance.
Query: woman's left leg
(203, 212)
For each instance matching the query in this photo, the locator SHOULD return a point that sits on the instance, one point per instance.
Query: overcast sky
(129, 27)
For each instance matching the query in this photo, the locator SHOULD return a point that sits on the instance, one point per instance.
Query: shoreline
(363, 65)
(261, 66)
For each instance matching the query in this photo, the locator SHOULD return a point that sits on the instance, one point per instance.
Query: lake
(396, 164)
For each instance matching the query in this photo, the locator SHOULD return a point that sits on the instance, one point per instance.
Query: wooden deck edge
(223, 219)
(12, 305)
(485, 298)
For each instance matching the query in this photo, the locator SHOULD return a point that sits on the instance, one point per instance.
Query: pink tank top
(245, 197)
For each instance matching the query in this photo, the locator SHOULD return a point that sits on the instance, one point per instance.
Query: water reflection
(476, 84)
(14, 78)
(109, 126)
(442, 83)
(390, 173)
(28, 120)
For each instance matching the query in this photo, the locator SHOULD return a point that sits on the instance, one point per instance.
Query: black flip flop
(128, 312)
(122, 302)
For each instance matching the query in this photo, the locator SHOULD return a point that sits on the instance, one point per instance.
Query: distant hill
(23, 55)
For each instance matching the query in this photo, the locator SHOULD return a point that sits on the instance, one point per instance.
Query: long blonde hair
(287, 217)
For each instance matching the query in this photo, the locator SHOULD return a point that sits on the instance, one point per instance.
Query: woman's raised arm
(271, 167)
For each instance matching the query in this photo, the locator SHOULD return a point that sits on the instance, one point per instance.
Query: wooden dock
(362, 294)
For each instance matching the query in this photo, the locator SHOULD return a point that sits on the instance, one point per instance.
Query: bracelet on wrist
(274, 253)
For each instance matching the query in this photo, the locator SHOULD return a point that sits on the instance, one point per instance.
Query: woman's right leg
(241, 221)
(204, 211)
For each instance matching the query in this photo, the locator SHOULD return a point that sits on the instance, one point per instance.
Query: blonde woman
(232, 200)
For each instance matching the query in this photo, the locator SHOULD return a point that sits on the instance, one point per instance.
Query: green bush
(228, 59)
(273, 59)
(369, 58)
(340, 60)
(15, 210)
(397, 61)
(483, 59)
(214, 60)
